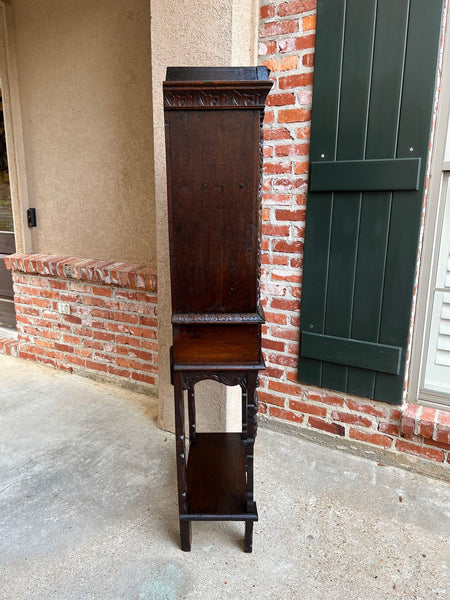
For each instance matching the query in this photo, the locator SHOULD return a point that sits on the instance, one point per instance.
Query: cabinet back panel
(213, 166)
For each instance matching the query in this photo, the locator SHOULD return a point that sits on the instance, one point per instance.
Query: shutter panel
(374, 83)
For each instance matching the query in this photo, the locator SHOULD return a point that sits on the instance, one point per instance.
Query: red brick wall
(112, 325)
(287, 39)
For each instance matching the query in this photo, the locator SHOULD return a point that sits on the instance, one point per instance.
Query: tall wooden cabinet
(213, 119)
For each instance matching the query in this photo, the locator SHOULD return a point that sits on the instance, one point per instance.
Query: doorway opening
(7, 237)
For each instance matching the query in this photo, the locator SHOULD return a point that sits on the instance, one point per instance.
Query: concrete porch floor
(88, 510)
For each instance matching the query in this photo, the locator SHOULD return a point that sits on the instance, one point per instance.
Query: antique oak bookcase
(213, 120)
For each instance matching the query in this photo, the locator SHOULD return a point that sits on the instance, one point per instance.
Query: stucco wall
(84, 73)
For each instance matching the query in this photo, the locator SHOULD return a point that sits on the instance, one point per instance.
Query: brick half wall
(112, 325)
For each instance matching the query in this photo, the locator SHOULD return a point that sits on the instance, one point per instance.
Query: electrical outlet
(64, 308)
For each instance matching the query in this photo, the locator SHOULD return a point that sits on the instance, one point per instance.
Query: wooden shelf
(216, 480)
(223, 343)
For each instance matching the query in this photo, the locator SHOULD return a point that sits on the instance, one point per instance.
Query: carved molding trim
(215, 97)
(196, 318)
(226, 377)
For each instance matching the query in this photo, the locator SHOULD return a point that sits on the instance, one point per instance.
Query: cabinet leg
(186, 535)
(251, 427)
(248, 542)
(252, 409)
(191, 412)
(244, 413)
(185, 526)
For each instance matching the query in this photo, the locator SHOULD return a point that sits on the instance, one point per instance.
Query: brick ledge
(429, 423)
(71, 267)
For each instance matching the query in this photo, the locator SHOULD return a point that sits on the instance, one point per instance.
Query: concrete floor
(88, 510)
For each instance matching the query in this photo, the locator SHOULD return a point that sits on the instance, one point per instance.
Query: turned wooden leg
(252, 408)
(185, 526)
(191, 412)
(244, 414)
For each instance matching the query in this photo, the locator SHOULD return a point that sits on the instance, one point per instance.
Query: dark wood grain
(216, 474)
(213, 211)
(217, 344)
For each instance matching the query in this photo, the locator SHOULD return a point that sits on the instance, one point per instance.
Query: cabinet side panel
(214, 209)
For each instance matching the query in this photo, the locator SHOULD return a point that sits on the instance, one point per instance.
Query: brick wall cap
(429, 423)
(120, 274)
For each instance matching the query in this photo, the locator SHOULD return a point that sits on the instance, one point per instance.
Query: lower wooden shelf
(216, 479)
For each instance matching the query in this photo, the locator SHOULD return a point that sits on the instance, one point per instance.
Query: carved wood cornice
(218, 318)
(194, 95)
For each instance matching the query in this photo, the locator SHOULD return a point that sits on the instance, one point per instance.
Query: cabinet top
(216, 88)
(217, 74)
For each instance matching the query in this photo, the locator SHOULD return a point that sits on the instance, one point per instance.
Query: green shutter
(374, 83)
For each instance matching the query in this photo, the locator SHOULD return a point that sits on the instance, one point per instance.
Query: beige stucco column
(79, 126)
(192, 33)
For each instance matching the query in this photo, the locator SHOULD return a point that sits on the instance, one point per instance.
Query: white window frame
(433, 224)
